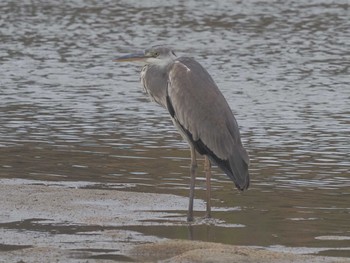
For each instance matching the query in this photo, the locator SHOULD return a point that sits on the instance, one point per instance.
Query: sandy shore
(205, 252)
(75, 222)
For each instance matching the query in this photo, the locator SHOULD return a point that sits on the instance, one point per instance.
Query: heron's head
(157, 55)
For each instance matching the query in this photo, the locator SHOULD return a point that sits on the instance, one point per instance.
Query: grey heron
(199, 111)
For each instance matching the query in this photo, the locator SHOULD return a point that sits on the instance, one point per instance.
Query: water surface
(68, 113)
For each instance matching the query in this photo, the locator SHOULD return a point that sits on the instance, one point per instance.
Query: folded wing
(204, 117)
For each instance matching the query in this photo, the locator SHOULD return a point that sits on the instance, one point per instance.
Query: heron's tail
(236, 167)
(239, 162)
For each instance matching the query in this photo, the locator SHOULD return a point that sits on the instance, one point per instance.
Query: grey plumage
(197, 107)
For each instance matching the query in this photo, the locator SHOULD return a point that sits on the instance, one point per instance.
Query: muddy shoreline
(75, 222)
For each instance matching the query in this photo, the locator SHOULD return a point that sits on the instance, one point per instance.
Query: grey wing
(201, 113)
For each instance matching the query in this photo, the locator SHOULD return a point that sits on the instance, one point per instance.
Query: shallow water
(68, 113)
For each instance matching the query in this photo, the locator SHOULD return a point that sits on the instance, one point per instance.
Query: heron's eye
(155, 54)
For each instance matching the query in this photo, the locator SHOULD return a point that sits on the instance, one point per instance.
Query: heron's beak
(137, 57)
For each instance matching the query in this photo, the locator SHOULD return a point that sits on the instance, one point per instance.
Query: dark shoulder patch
(170, 107)
(202, 149)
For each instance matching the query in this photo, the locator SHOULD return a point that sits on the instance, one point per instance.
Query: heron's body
(199, 111)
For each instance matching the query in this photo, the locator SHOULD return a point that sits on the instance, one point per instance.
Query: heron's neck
(163, 63)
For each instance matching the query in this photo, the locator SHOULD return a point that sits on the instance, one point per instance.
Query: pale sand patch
(45, 221)
(204, 252)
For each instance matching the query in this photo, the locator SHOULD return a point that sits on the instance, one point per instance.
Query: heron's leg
(208, 177)
(193, 170)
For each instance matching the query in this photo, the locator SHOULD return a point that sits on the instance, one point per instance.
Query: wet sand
(75, 222)
(193, 251)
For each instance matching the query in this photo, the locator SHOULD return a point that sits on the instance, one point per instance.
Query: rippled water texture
(68, 113)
